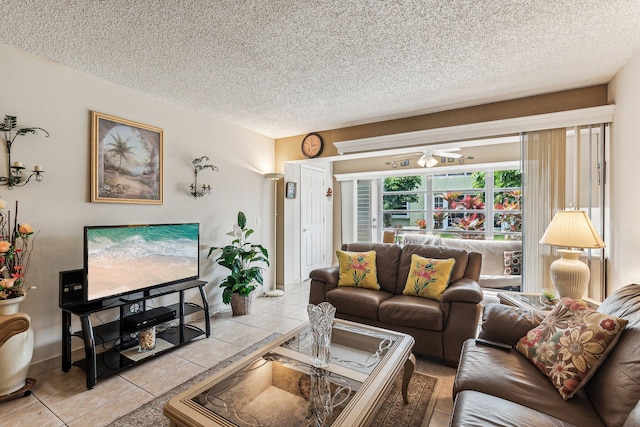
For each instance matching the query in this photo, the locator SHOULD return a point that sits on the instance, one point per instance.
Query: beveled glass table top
(278, 386)
(352, 347)
(279, 391)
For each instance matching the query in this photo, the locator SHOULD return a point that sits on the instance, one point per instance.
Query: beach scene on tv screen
(125, 259)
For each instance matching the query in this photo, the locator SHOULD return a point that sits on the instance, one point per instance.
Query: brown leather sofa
(497, 388)
(438, 327)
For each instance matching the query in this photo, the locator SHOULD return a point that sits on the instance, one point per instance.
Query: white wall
(624, 91)
(48, 95)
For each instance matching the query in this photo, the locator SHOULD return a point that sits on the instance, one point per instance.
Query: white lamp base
(274, 293)
(569, 275)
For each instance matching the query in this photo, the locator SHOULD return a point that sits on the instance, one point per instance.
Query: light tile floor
(61, 399)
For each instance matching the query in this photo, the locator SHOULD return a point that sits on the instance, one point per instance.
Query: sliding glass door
(562, 168)
(558, 169)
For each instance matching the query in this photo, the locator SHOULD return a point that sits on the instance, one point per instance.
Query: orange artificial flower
(25, 229)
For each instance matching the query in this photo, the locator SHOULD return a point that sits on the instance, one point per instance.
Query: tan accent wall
(289, 148)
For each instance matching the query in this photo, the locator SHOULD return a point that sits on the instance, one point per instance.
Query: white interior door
(312, 219)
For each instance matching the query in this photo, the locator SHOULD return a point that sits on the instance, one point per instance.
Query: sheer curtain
(544, 173)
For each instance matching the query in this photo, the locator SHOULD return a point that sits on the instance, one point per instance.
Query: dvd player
(148, 318)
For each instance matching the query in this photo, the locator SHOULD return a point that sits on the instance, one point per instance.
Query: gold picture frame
(126, 161)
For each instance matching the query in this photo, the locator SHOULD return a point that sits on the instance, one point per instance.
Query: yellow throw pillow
(428, 277)
(358, 269)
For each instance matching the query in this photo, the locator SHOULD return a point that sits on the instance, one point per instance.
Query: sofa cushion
(615, 387)
(421, 239)
(471, 411)
(570, 344)
(387, 260)
(428, 277)
(500, 282)
(411, 311)
(513, 263)
(435, 252)
(495, 316)
(358, 269)
(357, 302)
(509, 375)
(492, 251)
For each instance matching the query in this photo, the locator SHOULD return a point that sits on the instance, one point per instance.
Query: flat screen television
(122, 259)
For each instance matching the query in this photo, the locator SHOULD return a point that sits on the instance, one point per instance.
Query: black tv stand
(120, 340)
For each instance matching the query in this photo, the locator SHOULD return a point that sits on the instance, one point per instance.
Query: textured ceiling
(287, 67)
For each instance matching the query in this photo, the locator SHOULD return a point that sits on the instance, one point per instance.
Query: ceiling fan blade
(447, 154)
(404, 156)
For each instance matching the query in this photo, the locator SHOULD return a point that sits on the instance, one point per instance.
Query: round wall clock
(312, 145)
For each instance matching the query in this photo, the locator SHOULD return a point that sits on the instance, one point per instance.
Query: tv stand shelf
(120, 344)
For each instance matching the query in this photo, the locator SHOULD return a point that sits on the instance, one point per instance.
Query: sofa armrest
(463, 290)
(506, 324)
(326, 274)
(322, 280)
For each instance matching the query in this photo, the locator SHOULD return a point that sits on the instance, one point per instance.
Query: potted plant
(240, 258)
(549, 297)
(15, 252)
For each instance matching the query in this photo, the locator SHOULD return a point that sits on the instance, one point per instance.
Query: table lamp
(571, 229)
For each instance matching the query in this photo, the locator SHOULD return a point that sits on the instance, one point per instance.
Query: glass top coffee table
(277, 385)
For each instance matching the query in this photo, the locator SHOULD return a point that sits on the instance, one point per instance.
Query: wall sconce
(16, 177)
(197, 167)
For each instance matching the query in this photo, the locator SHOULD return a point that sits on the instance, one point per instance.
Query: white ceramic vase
(15, 353)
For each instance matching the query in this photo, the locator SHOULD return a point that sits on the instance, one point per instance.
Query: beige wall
(623, 265)
(59, 99)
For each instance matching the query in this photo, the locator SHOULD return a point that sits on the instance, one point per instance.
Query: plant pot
(15, 353)
(240, 305)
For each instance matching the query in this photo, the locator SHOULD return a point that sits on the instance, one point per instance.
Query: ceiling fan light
(427, 161)
(430, 162)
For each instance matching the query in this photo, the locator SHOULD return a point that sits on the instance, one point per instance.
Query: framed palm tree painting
(126, 161)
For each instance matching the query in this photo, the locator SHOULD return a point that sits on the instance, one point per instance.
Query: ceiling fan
(428, 160)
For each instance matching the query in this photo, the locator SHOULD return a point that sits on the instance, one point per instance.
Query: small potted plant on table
(549, 297)
(240, 258)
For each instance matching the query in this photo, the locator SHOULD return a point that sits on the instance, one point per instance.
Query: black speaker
(71, 287)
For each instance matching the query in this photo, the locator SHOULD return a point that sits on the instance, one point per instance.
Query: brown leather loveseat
(497, 388)
(438, 327)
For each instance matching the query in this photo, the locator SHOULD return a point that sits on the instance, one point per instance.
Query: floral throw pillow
(358, 269)
(570, 344)
(513, 263)
(428, 277)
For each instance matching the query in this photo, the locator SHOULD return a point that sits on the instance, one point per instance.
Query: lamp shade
(572, 229)
(274, 176)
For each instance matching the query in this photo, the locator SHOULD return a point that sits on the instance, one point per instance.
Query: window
(454, 205)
